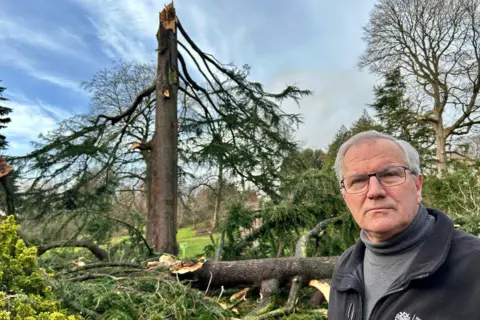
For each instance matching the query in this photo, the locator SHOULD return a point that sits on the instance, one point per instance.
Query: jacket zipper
(351, 311)
(351, 314)
(396, 291)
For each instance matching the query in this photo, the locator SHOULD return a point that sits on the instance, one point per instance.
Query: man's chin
(381, 225)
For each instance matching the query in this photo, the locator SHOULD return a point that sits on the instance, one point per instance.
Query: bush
(457, 193)
(24, 293)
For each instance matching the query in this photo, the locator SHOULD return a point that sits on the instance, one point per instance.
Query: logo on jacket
(405, 316)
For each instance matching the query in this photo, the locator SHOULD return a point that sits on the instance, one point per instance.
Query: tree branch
(145, 93)
(105, 265)
(88, 244)
(94, 276)
(301, 246)
(135, 230)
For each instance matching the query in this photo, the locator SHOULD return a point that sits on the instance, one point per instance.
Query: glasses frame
(374, 174)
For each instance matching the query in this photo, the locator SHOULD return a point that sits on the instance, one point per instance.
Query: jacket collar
(431, 256)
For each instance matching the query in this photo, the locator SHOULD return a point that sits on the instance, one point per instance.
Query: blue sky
(49, 47)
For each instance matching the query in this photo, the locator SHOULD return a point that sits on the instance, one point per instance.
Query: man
(409, 263)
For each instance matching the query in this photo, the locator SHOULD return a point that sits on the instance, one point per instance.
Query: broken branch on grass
(87, 244)
(95, 276)
(105, 265)
(268, 289)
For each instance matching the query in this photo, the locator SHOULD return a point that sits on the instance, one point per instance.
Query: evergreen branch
(94, 276)
(88, 244)
(195, 97)
(193, 83)
(105, 265)
(185, 71)
(301, 246)
(144, 93)
(135, 230)
(56, 142)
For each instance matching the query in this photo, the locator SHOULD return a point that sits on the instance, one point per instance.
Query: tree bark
(9, 194)
(440, 140)
(234, 273)
(221, 244)
(146, 155)
(5, 170)
(162, 224)
(268, 290)
(218, 200)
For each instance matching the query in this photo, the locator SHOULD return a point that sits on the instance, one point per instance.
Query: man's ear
(344, 195)
(418, 186)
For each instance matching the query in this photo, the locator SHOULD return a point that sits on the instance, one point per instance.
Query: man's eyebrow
(380, 170)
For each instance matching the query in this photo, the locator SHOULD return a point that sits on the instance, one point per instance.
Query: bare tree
(436, 44)
(113, 90)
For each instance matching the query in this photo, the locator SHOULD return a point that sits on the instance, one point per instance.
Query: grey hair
(411, 154)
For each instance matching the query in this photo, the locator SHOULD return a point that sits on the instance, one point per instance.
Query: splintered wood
(322, 286)
(175, 266)
(168, 17)
(4, 168)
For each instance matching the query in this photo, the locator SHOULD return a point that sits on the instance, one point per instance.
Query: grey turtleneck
(384, 262)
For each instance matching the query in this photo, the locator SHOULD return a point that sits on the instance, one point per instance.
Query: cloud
(30, 118)
(126, 29)
(56, 80)
(59, 40)
(13, 57)
(339, 98)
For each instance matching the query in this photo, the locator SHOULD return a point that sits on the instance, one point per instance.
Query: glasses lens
(388, 177)
(392, 176)
(356, 183)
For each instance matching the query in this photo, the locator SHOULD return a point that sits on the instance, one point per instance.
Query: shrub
(24, 292)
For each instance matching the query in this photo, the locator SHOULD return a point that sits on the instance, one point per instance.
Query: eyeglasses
(388, 177)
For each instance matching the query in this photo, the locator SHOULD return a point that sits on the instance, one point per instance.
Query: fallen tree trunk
(245, 272)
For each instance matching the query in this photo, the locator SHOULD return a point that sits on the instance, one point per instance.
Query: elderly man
(409, 263)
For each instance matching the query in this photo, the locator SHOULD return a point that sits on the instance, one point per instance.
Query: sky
(49, 49)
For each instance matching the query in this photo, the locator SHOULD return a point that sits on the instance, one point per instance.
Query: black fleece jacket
(443, 281)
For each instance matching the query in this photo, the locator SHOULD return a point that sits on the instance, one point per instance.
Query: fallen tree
(248, 272)
(269, 275)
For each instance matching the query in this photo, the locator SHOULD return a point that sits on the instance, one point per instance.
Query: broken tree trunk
(161, 225)
(5, 170)
(297, 281)
(244, 272)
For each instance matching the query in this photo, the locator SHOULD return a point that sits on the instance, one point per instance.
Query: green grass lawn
(193, 245)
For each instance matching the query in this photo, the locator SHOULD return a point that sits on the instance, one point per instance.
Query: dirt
(202, 231)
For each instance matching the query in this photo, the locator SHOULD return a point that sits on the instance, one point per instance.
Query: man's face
(381, 211)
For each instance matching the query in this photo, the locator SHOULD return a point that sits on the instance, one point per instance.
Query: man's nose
(375, 188)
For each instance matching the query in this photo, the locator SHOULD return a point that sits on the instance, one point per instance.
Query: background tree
(363, 123)
(398, 117)
(112, 91)
(5, 169)
(435, 44)
(4, 119)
